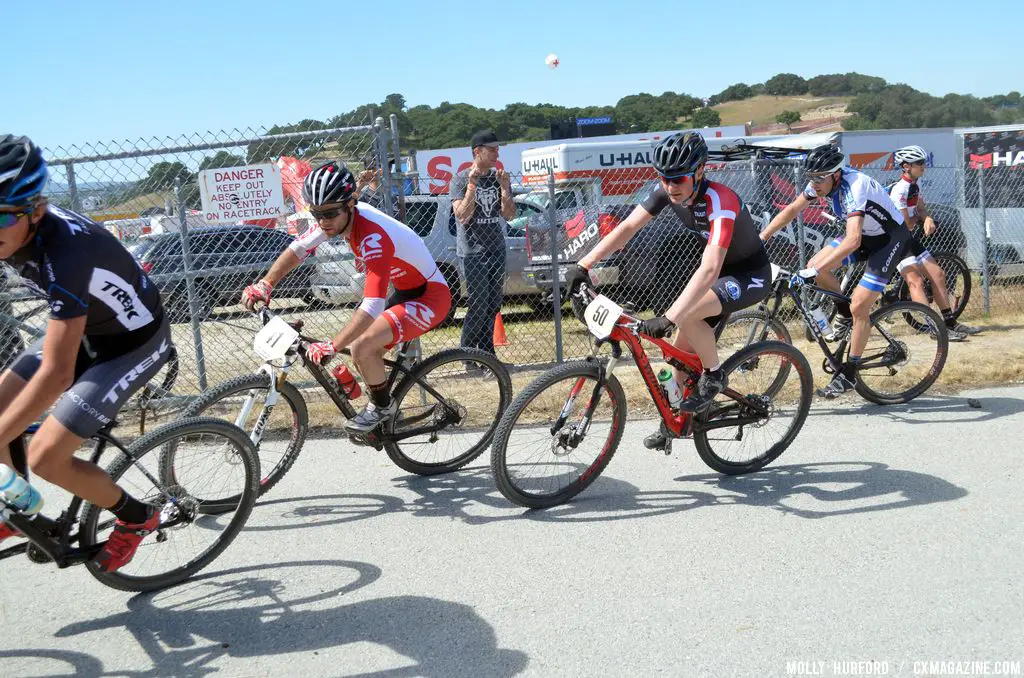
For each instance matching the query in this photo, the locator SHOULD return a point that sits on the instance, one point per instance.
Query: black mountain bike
(448, 405)
(213, 459)
(906, 349)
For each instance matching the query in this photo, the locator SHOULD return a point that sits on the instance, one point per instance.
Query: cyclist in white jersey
(919, 263)
(389, 252)
(874, 233)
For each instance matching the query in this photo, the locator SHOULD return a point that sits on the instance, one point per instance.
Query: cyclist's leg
(912, 272)
(10, 386)
(402, 322)
(937, 277)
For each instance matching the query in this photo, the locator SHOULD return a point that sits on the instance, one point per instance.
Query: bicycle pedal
(37, 555)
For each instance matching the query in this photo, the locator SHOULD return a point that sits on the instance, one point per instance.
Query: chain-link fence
(149, 196)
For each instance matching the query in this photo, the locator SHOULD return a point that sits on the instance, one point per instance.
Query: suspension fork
(273, 395)
(604, 372)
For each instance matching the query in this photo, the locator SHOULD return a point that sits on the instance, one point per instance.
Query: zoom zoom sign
(233, 194)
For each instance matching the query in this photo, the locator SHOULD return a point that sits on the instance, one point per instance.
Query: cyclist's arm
(619, 236)
(55, 375)
(925, 217)
(704, 277)
(782, 219)
(463, 195)
(847, 246)
(378, 254)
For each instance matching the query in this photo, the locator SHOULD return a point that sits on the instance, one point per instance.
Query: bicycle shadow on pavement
(830, 489)
(325, 509)
(192, 629)
(951, 410)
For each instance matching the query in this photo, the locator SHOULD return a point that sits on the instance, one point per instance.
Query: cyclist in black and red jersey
(734, 272)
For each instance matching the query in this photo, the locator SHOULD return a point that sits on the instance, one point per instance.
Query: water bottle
(346, 381)
(17, 493)
(668, 383)
(821, 320)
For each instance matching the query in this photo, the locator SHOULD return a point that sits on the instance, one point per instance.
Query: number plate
(274, 340)
(602, 314)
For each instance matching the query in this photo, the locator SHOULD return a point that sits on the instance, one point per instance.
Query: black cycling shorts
(102, 386)
(737, 290)
(883, 253)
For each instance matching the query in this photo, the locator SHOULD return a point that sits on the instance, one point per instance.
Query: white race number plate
(602, 314)
(274, 340)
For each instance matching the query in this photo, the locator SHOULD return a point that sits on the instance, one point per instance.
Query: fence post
(380, 147)
(399, 173)
(556, 287)
(984, 236)
(801, 242)
(73, 187)
(193, 301)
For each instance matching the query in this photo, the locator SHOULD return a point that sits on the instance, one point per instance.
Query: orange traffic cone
(499, 331)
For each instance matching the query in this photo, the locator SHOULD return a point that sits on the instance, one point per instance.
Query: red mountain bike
(561, 431)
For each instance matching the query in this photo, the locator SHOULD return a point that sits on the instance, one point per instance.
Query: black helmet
(328, 184)
(23, 172)
(680, 154)
(823, 160)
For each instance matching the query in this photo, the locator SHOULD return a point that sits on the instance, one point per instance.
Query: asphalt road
(883, 537)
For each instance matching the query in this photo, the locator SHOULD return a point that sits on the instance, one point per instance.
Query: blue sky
(112, 70)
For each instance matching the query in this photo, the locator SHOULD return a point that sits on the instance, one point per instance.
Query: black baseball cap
(484, 138)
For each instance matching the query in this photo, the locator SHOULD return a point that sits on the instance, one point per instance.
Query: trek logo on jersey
(118, 295)
(421, 314)
(141, 368)
(370, 247)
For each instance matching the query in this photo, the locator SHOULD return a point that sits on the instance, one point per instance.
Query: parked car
(226, 259)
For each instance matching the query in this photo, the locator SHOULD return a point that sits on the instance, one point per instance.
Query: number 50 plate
(601, 315)
(274, 340)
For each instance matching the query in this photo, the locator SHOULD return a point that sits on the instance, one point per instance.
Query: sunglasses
(678, 179)
(8, 219)
(326, 214)
(819, 179)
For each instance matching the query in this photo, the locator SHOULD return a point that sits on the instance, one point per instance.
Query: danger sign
(241, 193)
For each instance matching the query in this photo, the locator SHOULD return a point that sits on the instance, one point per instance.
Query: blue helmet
(23, 173)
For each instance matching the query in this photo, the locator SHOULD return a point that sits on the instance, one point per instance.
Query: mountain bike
(541, 453)
(448, 404)
(212, 458)
(905, 354)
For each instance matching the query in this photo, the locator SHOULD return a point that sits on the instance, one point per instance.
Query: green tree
(786, 84)
(706, 117)
(737, 92)
(221, 159)
(162, 175)
(788, 118)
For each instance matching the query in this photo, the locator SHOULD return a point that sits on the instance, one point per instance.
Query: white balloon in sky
(552, 60)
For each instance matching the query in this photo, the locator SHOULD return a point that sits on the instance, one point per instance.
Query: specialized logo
(144, 365)
(419, 313)
(119, 295)
(370, 247)
(733, 289)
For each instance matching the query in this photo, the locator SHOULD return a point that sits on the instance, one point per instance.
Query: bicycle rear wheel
(958, 282)
(905, 353)
(278, 432)
(221, 462)
(455, 398)
(536, 461)
(736, 436)
(749, 327)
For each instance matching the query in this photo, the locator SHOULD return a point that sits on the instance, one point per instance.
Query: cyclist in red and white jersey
(734, 272)
(918, 263)
(389, 252)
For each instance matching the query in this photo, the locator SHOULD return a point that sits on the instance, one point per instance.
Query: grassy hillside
(763, 109)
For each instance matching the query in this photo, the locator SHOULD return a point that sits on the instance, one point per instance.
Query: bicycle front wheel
(544, 452)
(905, 353)
(756, 418)
(217, 459)
(448, 410)
(278, 431)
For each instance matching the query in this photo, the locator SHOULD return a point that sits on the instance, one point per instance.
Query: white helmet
(909, 154)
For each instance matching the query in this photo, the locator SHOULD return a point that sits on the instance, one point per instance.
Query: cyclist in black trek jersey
(107, 336)
(918, 263)
(734, 272)
(874, 233)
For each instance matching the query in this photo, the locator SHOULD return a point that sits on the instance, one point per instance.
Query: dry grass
(763, 109)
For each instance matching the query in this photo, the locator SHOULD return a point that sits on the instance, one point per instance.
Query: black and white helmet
(824, 160)
(910, 154)
(328, 184)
